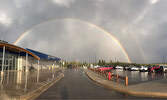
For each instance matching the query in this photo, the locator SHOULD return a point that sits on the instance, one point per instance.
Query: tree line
(102, 62)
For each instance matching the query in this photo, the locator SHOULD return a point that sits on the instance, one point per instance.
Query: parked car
(96, 66)
(126, 68)
(134, 68)
(69, 66)
(105, 68)
(119, 67)
(143, 69)
(163, 68)
(32, 68)
(154, 68)
(74, 66)
(114, 67)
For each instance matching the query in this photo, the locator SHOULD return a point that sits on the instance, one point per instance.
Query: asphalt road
(76, 85)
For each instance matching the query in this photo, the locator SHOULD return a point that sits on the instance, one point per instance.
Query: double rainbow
(85, 22)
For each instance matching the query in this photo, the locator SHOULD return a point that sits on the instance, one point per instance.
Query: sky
(66, 28)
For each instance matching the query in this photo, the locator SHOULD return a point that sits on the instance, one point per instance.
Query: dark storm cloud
(143, 21)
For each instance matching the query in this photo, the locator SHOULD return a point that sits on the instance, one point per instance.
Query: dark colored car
(32, 68)
(69, 66)
(74, 66)
(163, 68)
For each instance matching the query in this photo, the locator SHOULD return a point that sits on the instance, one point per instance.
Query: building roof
(16, 49)
(43, 55)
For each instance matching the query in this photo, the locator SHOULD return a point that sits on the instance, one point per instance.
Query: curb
(34, 94)
(127, 90)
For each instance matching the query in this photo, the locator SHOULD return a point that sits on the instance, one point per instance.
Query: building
(13, 57)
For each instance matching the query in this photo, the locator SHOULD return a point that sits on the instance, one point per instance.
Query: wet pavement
(76, 85)
(152, 89)
(14, 84)
(135, 77)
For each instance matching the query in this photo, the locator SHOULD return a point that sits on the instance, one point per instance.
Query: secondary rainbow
(86, 22)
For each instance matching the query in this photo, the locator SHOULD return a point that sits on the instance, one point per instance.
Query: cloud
(154, 1)
(63, 3)
(135, 23)
(18, 3)
(4, 19)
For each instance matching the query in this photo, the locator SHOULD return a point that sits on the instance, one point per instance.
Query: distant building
(13, 57)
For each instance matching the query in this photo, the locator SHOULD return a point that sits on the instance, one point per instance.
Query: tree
(99, 63)
(103, 62)
(111, 62)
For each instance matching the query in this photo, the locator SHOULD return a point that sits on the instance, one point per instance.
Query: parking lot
(135, 77)
(76, 85)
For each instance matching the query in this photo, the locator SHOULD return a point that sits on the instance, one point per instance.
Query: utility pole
(88, 60)
(95, 58)
(164, 59)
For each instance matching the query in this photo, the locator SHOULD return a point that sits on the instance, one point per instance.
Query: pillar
(26, 62)
(3, 59)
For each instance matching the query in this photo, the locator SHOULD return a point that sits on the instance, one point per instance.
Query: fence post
(103, 73)
(106, 74)
(111, 76)
(126, 81)
(117, 78)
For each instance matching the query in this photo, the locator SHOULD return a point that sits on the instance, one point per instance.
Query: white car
(134, 68)
(119, 67)
(96, 66)
(143, 69)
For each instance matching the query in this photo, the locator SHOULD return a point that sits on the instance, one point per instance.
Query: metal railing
(110, 75)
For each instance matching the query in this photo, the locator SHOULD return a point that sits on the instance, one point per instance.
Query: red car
(105, 68)
(154, 68)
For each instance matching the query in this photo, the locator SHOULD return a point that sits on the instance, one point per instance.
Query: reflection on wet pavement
(17, 83)
(135, 77)
(77, 85)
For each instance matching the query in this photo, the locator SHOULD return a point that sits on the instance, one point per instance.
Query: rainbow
(86, 22)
